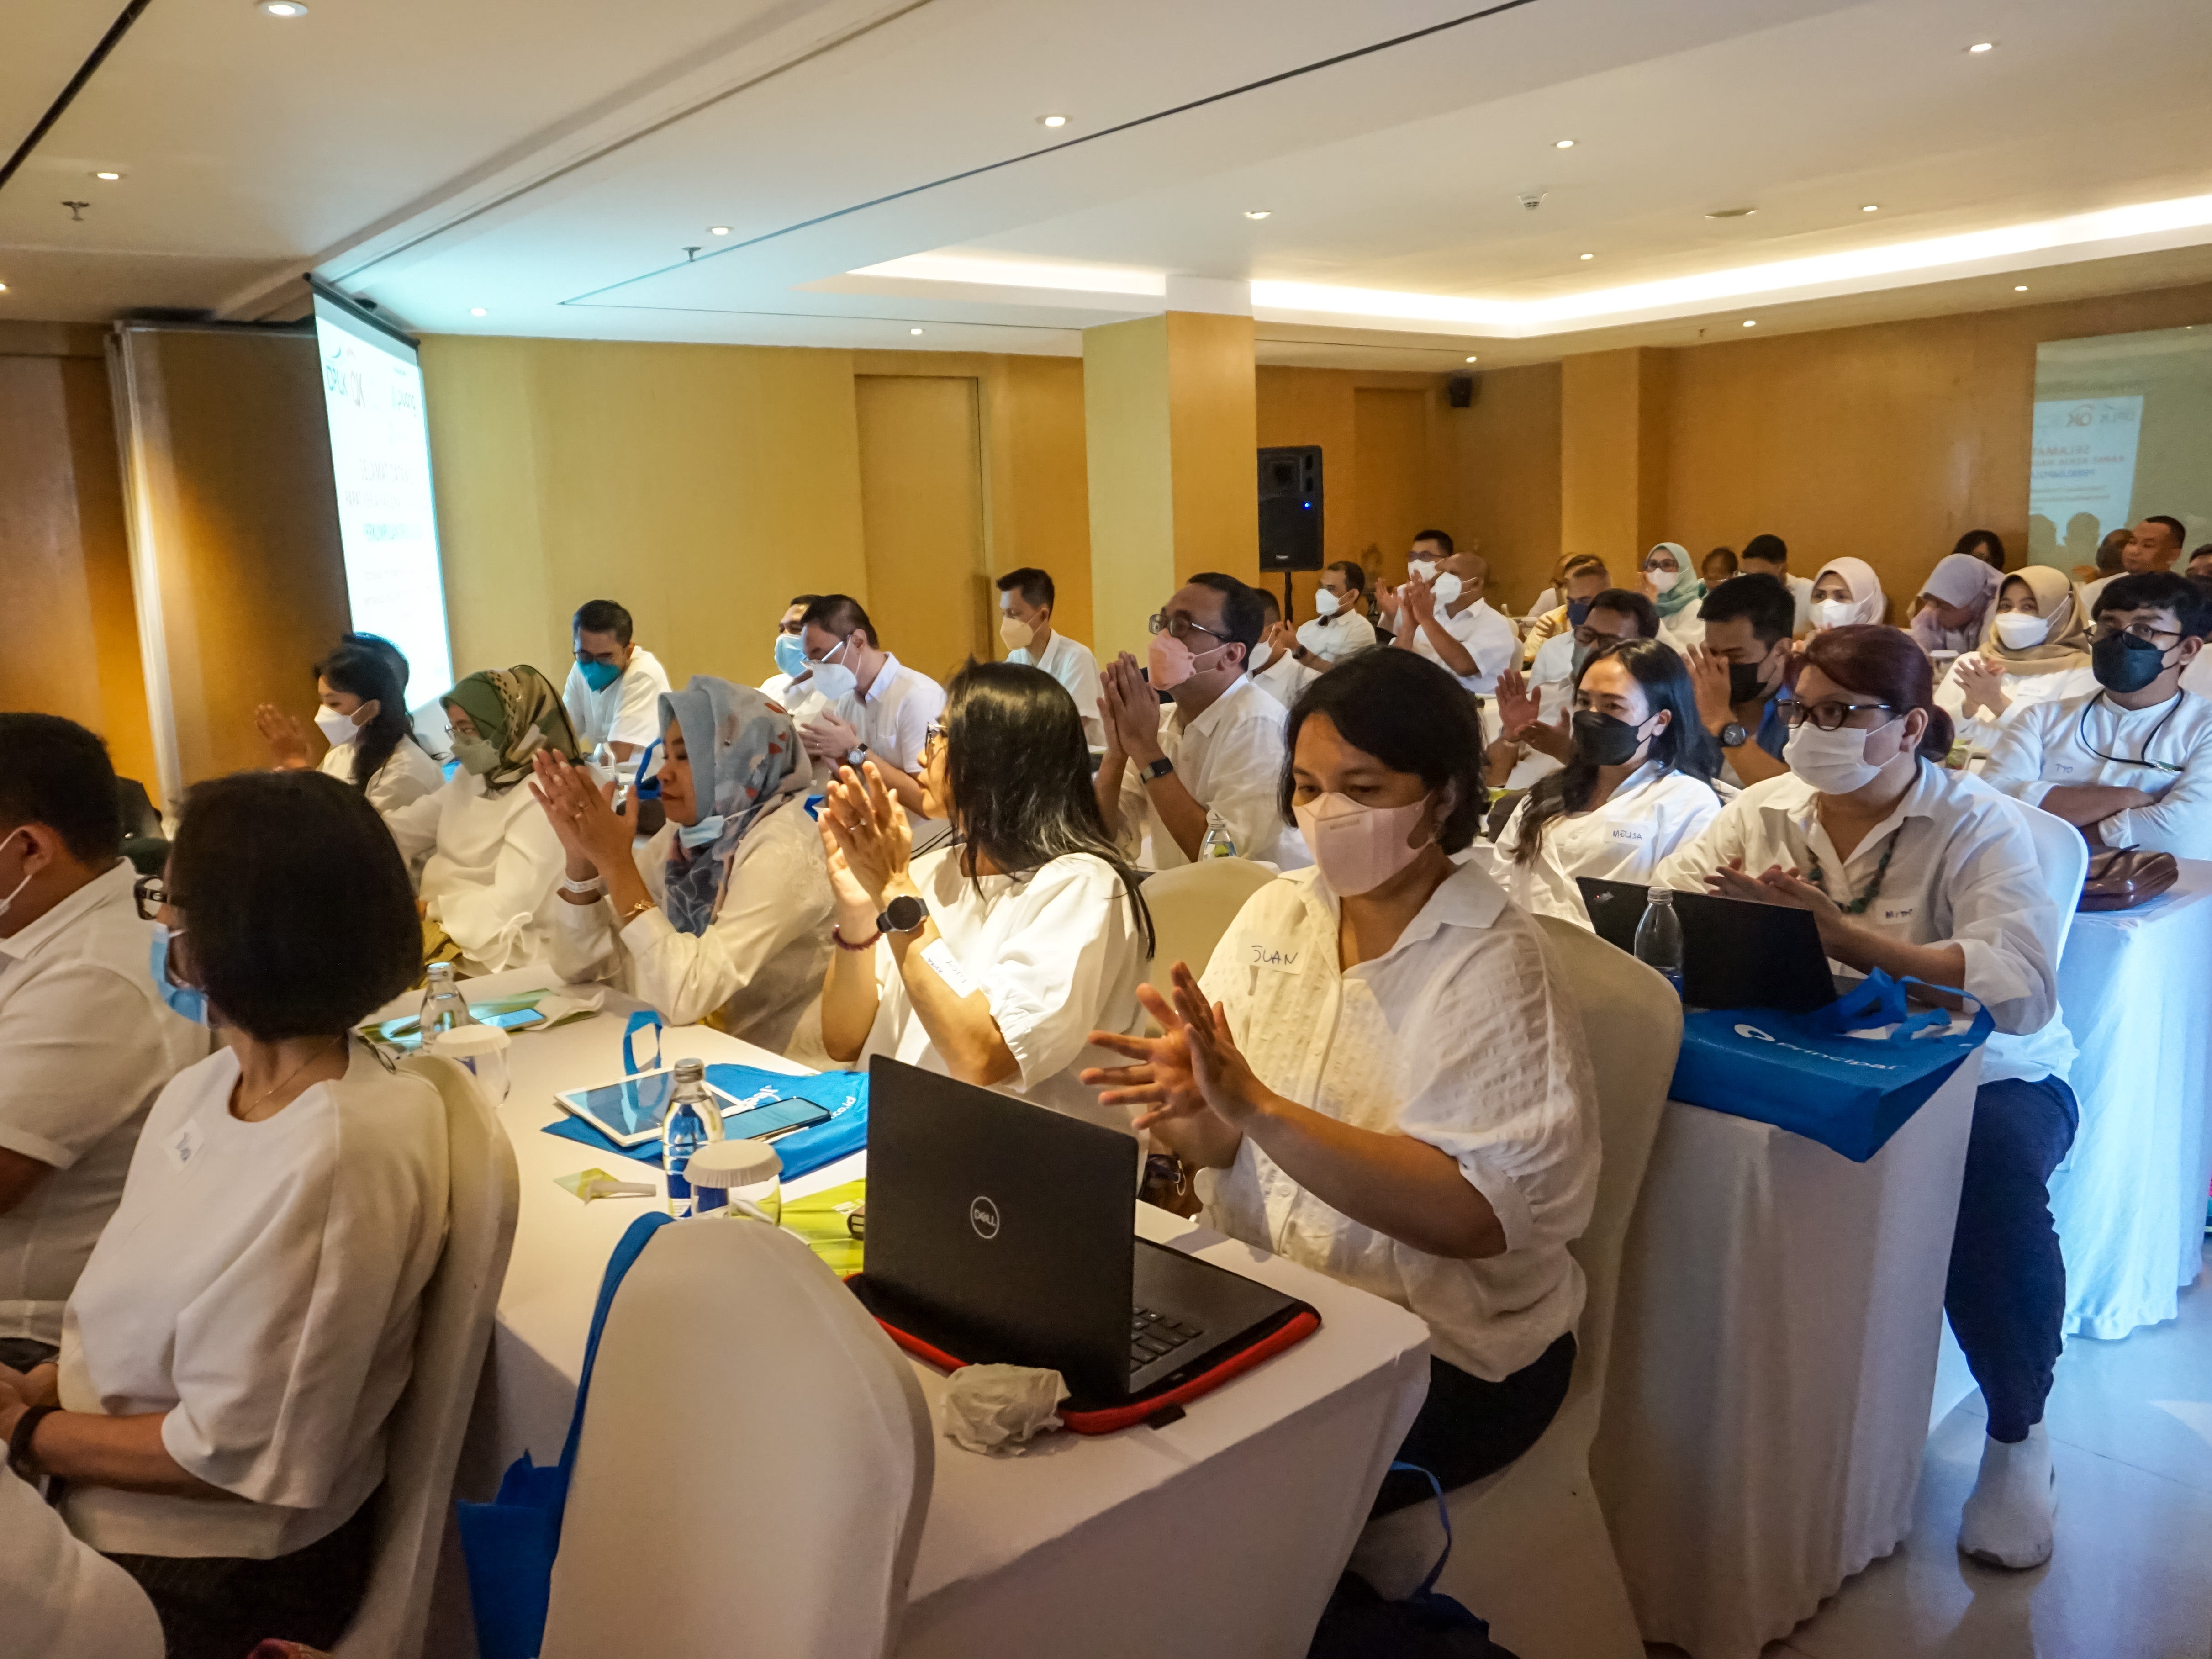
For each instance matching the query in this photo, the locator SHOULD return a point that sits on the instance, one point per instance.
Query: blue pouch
(511, 1541)
(1802, 1074)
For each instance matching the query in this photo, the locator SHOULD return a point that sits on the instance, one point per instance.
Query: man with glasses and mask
(85, 1041)
(1440, 612)
(1532, 735)
(1739, 672)
(895, 704)
(1216, 761)
(2130, 765)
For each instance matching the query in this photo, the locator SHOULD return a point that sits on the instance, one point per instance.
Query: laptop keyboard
(1152, 1335)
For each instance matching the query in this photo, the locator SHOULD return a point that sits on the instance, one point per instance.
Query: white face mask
(1833, 762)
(20, 886)
(337, 729)
(2017, 630)
(1016, 633)
(833, 679)
(1661, 581)
(1359, 847)
(1262, 654)
(1447, 589)
(1325, 603)
(1831, 613)
(1425, 569)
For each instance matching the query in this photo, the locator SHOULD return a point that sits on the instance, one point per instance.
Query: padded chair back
(424, 1440)
(2064, 857)
(755, 1461)
(1192, 907)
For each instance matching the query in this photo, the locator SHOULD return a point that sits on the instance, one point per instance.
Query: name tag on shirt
(1893, 915)
(2061, 769)
(1273, 957)
(185, 1144)
(1628, 832)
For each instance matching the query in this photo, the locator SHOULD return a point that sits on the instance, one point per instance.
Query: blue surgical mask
(599, 675)
(186, 1001)
(705, 833)
(791, 655)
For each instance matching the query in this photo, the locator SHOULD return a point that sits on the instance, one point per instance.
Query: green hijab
(517, 711)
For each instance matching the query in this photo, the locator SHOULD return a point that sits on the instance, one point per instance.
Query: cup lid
(732, 1163)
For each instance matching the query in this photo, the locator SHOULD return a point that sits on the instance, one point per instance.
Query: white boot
(2007, 1520)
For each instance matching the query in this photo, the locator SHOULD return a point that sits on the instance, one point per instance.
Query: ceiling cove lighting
(1019, 273)
(283, 8)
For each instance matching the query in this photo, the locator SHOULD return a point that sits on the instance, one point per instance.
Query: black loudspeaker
(1289, 508)
(1461, 389)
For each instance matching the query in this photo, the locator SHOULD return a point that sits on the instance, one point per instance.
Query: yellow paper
(819, 1218)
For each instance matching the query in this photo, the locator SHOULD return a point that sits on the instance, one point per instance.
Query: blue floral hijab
(745, 763)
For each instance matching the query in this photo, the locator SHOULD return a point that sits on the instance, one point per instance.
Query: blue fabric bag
(510, 1542)
(1803, 1074)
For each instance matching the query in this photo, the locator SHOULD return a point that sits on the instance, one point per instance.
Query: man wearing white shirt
(1217, 759)
(1768, 556)
(85, 1041)
(1025, 600)
(2130, 765)
(897, 703)
(1441, 613)
(1337, 632)
(613, 693)
(1533, 711)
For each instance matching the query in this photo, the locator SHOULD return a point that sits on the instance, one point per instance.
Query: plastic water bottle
(1659, 936)
(1218, 843)
(692, 1120)
(444, 1007)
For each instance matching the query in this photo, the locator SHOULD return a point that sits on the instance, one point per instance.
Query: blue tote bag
(510, 1542)
(1803, 1073)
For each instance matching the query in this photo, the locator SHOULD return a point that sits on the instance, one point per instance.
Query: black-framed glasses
(1182, 627)
(1828, 716)
(2136, 630)
(152, 893)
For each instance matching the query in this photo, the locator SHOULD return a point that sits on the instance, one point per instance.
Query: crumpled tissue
(557, 1007)
(1000, 1408)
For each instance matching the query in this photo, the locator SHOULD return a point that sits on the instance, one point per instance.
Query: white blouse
(1654, 812)
(493, 864)
(1059, 954)
(762, 959)
(259, 1286)
(407, 774)
(1460, 1036)
(2021, 689)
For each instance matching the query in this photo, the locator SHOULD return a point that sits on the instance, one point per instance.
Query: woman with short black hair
(363, 717)
(247, 1321)
(1379, 1075)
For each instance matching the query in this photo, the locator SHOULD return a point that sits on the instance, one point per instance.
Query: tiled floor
(2132, 1577)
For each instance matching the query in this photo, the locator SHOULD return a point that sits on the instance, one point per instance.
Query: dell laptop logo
(983, 1216)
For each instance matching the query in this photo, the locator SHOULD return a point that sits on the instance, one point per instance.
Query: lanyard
(2081, 736)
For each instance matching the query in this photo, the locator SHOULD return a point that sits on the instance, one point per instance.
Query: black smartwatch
(19, 1442)
(904, 914)
(1733, 735)
(1158, 770)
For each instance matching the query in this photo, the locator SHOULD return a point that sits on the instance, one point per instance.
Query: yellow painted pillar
(1170, 435)
(1612, 453)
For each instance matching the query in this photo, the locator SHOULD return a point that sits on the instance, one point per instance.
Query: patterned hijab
(746, 762)
(517, 709)
(2066, 643)
(1687, 589)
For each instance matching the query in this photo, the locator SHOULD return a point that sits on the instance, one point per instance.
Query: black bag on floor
(1359, 1623)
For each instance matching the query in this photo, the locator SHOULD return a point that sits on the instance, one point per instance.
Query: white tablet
(629, 1113)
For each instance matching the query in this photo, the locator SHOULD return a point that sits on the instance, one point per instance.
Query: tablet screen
(632, 1107)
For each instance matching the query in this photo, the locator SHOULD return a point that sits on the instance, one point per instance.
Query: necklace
(1858, 906)
(2081, 736)
(311, 1057)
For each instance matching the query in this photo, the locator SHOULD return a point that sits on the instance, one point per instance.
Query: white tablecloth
(1218, 1535)
(1772, 1363)
(2136, 988)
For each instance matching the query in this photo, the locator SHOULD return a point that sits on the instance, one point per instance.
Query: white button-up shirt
(1653, 814)
(1459, 1035)
(86, 1044)
(627, 711)
(896, 712)
(492, 863)
(2093, 740)
(1332, 639)
(1231, 759)
(1489, 639)
(1962, 872)
(1069, 662)
(2020, 690)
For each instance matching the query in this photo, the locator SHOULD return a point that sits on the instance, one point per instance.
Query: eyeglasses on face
(1830, 716)
(152, 893)
(1182, 627)
(2136, 630)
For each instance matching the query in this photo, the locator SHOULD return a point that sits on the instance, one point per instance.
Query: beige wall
(1506, 467)
(921, 512)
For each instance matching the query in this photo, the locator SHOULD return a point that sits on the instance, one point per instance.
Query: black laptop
(1003, 1232)
(1737, 953)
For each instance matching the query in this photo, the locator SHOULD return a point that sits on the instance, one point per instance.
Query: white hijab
(1867, 601)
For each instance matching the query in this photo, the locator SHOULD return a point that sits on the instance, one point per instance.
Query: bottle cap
(690, 1071)
(729, 1165)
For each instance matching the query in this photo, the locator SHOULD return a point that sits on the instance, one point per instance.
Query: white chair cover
(1192, 907)
(755, 1461)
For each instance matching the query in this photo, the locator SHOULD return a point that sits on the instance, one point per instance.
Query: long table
(1218, 1535)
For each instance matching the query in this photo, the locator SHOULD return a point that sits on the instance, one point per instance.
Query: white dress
(1653, 814)
(492, 863)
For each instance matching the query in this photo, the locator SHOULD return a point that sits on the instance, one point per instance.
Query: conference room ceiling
(550, 166)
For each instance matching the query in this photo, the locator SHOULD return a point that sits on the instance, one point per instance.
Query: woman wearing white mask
(727, 909)
(1928, 873)
(1637, 783)
(1399, 1097)
(2035, 647)
(1847, 594)
(363, 717)
(493, 861)
(1679, 596)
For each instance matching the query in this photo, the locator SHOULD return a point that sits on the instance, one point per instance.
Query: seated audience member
(427, 722)
(1718, 567)
(727, 908)
(1441, 613)
(2034, 648)
(247, 1321)
(493, 860)
(1534, 735)
(1586, 578)
(1339, 631)
(1848, 592)
(614, 691)
(1025, 601)
(1665, 580)
(2111, 553)
(790, 650)
(1551, 597)
(1214, 760)
(1985, 546)
(1272, 668)
(1954, 605)
(64, 1599)
(992, 959)
(364, 719)
(1408, 1105)
(2200, 564)
(792, 688)
(85, 1043)
(1637, 787)
(1740, 670)
(2130, 765)
(2152, 548)
(1768, 556)
(895, 704)
(1931, 874)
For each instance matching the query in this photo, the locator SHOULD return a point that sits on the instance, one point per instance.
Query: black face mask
(1601, 740)
(1744, 682)
(2124, 663)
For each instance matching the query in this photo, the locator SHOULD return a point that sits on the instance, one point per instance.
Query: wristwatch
(1733, 735)
(904, 914)
(20, 1456)
(1155, 771)
(856, 755)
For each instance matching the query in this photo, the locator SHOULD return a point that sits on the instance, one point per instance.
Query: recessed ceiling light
(1590, 256)
(1257, 213)
(1980, 46)
(478, 311)
(4, 289)
(1052, 120)
(914, 330)
(283, 7)
(110, 177)
(1731, 213)
(1471, 360)
(1871, 207)
(2020, 288)
(1564, 143)
(718, 230)
(1751, 322)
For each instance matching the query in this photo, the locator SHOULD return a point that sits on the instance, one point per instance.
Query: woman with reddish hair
(1932, 874)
